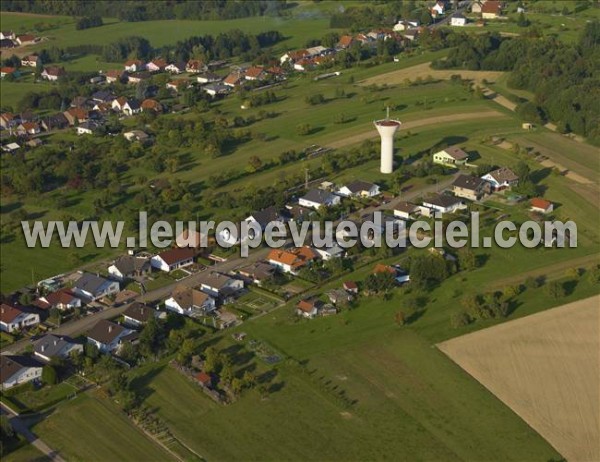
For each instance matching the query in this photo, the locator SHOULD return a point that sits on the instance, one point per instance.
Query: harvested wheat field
(424, 70)
(546, 368)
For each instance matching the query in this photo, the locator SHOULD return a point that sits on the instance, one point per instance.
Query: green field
(27, 453)
(88, 428)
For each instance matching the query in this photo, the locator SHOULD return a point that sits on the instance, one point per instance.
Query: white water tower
(387, 128)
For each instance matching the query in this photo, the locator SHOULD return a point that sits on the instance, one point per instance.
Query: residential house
(491, 10)
(173, 259)
(216, 89)
(55, 346)
(136, 135)
(208, 77)
(340, 297)
(137, 77)
(119, 103)
(255, 73)
(476, 7)
(7, 35)
(219, 285)
(293, 56)
(156, 65)
(190, 302)
(404, 24)
(176, 68)
(458, 20)
(137, 315)
(257, 273)
(344, 42)
(438, 9)
(195, 66)
(115, 75)
(62, 299)
(329, 252)
(360, 188)
(411, 34)
(80, 102)
(271, 214)
(131, 107)
(103, 96)
(451, 156)
(26, 39)
(316, 198)
(14, 319)
(53, 73)
(28, 128)
(7, 70)
(309, 308)
(541, 205)
(7, 43)
(470, 187)
(135, 65)
(129, 266)
(151, 105)
(16, 370)
(179, 85)
(8, 119)
(350, 286)
(76, 115)
(502, 178)
(204, 379)
(108, 336)
(89, 127)
(91, 287)
(406, 210)
(34, 142)
(55, 122)
(292, 261)
(10, 147)
(30, 61)
(442, 203)
(234, 79)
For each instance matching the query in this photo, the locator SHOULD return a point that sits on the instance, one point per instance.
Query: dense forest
(139, 10)
(565, 78)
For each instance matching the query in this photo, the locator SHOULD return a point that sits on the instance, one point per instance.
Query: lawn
(88, 428)
(37, 400)
(26, 453)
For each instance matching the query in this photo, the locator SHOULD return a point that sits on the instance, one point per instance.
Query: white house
(108, 336)
(316, 198)
(137, 314)
(92, 287)
(135, 65)
(501, 178)
(403, 25)
(132, 107)
(451, 156)
(292, 261)
(55, 346)
(327, 253)
(173, 259)
(360, 188)
(190, 302)
(62, 299)
(406, 210)
(13, 319)
(16, 370)
(309, 308)
(219, 285)
(175, 68)
(443, 203)
(438, 9)
(458, 20)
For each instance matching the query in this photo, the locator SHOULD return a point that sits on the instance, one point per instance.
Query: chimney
(43, 348)
(142, 310)
(55, 342)
(110, 328)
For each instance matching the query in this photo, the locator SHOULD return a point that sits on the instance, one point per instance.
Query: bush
(49, 376)
(460, 319)
(556, 289)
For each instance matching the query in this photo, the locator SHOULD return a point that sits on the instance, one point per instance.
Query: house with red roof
(541, 205)
(62, 299)
(13, 319)
(172, 259)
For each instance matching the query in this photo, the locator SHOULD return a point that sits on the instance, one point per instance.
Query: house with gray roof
(128, 267)
(16, 370)
(55, 346)
(90, 287)
(108, 336)
(316, 198)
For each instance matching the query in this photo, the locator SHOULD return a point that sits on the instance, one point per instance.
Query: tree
(556, 289)
(303, 129)
(426, 18)
(459, 319)
(185, 353)
(254, 163)
(248, 379)
(151, 338)
(227, 374)
(522, 21)
(236, 386)
(467, 260)
(49, 376)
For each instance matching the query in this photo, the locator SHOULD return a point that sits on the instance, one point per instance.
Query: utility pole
(306, 178)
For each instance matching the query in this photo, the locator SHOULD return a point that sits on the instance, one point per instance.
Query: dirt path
(424, 70)
(367, 135)
(545, 367)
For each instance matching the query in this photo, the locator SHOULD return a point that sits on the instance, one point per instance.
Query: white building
(188, 302)
(14, 319)
(16, 370)
(316, 198)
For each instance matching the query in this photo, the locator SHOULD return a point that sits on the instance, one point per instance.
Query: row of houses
(8, 39)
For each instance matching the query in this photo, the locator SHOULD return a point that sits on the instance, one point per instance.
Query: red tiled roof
(254, 71)
(175, 255)
(8, 70)
(540, 203)
(8, 313)
(379, 268)
(491, 7)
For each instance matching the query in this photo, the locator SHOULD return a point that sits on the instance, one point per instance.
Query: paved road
(20, 427)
